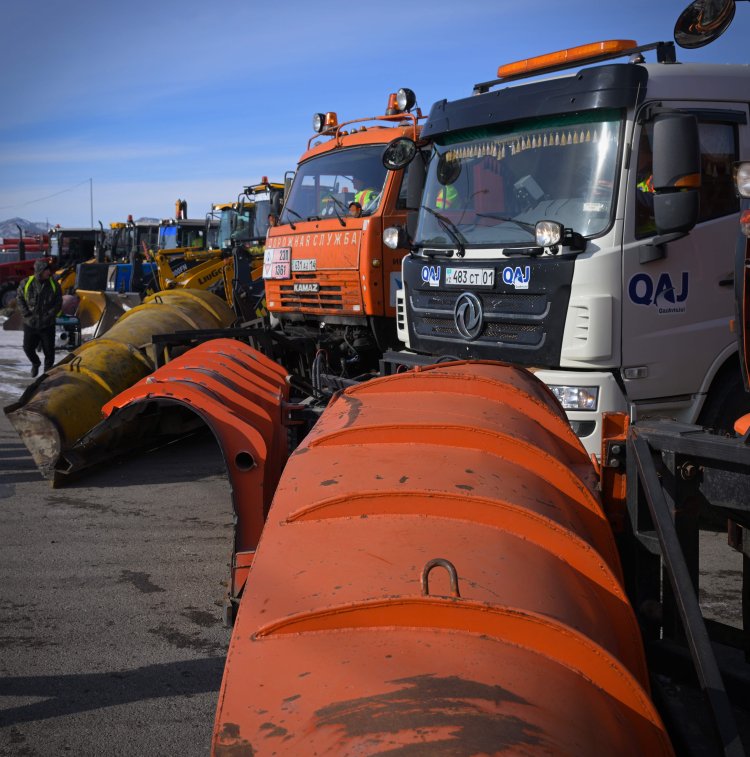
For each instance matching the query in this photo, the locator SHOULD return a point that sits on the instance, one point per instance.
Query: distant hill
(9, 228)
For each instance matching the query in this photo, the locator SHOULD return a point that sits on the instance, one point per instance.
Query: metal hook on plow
(452, 575)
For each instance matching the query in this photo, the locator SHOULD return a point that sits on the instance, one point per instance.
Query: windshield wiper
(289, 210)
(339, 204)
(521, 224)
(450, 228)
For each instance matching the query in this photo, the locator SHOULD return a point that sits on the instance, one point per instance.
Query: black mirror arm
(654, 249)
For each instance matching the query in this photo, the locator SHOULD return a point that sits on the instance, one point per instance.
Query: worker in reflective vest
(39, 298)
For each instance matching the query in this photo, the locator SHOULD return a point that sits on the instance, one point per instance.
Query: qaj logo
(431, 275)
(662, 295)
(517, 278)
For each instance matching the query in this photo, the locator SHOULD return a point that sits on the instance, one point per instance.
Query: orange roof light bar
(541, 63)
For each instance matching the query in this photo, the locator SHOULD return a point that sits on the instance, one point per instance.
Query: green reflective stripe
(31, 278)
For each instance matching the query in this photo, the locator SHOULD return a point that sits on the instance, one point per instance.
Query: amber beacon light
(588, 51)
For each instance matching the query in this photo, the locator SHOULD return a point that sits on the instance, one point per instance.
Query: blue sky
(146, 102)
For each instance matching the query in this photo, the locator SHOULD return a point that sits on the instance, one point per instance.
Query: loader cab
(131, 237)
(72, 246)
(232, 223)
(187, 234)
(264, 202)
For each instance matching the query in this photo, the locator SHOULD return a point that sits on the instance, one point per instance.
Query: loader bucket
(436, 576)
(66, 402)
(240, 395)
(99, 311)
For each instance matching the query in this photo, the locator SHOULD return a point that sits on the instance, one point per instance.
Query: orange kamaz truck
(330, 281)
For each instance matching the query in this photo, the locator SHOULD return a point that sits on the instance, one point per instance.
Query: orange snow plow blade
(239, 394)
(436, 576)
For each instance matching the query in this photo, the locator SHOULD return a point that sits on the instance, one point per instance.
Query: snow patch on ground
(15, 369)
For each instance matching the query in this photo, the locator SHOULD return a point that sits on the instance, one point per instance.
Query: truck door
(742, 289)
(676, 309)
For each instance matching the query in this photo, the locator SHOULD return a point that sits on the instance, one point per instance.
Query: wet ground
(111, 639)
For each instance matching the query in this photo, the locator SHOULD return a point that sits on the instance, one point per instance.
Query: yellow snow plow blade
(66, 402)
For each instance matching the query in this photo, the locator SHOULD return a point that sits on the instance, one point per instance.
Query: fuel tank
(436, 576)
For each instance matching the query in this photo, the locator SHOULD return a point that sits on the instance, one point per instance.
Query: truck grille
(336, 295)
(523, 326)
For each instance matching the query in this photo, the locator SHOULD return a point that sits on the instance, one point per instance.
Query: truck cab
(330, 282)
(584, 226)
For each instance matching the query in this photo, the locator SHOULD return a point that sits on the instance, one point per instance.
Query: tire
(727, 400)
(7, 296)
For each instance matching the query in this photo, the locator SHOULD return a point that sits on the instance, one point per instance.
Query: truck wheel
(7, 296)
(727, 400)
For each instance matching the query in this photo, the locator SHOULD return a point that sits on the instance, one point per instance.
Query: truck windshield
(226, 222)
(178, 237)
(325, 185)
(490, 186)
(258, 219)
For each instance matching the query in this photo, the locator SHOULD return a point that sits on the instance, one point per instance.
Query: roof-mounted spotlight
(324, 122)
(406, 99)
(319, 122)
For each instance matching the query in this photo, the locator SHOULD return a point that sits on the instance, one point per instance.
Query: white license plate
(472, 277)
(304, 264)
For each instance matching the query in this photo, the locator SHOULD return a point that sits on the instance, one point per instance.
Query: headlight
(548, 233)
(576, 397)
(742, 179)
(391, 237)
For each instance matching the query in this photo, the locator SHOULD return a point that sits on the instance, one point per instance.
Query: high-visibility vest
(647, 185)
(31, 278)
(446, 196)
(364, 196)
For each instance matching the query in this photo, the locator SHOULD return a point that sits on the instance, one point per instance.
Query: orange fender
(436, 573)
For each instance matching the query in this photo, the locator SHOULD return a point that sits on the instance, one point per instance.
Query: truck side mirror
(399, 153)
(702, 22)
(676, 172)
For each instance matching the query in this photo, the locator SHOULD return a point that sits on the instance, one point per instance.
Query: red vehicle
(11, 275)
(15, 266)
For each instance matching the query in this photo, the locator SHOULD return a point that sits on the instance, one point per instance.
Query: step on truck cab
(330, 282)
(584, 226)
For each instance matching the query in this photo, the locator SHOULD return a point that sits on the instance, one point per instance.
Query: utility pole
(91, 198)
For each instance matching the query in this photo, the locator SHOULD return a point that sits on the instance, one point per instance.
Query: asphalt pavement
(111, 639)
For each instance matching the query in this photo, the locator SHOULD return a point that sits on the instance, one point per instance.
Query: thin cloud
(71, 153)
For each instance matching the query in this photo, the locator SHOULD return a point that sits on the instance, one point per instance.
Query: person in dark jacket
(40, 299)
